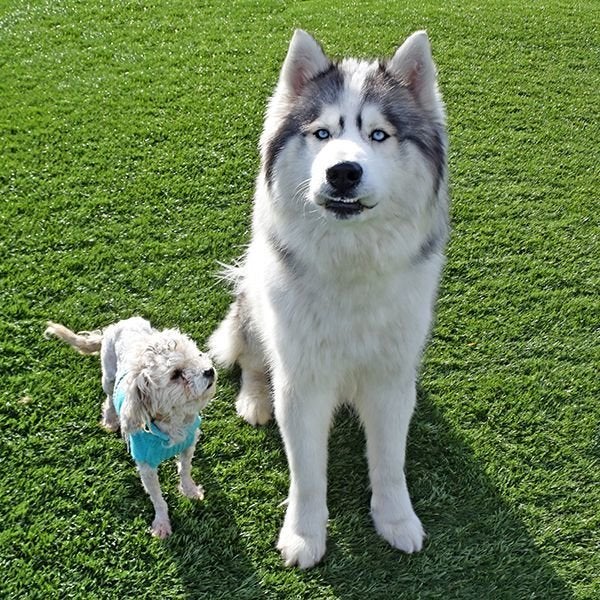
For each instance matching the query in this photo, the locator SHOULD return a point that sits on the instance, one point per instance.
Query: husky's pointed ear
(305, 59)
(413, 65)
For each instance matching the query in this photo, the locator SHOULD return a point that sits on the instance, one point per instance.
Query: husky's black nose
(209, 373)
(344, 176)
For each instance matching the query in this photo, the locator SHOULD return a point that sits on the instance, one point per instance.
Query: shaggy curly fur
(167, 381)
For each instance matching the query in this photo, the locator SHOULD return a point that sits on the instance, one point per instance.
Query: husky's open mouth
(345, 209)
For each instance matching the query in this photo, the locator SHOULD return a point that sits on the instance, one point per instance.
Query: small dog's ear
(137, 409)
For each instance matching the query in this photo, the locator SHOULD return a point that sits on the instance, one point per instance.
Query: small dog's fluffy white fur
(335, 294)
(168, 382)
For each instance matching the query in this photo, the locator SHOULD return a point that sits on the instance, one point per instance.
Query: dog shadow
(215, 543)
(477, 546)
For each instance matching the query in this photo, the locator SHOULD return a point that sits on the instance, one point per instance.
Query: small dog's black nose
(344, 176)
(209, 373)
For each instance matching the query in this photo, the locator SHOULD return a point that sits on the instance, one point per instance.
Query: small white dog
(156, 383)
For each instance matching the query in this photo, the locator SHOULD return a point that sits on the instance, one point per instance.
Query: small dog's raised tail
(85, 342)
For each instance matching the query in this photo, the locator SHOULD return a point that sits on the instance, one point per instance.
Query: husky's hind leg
(235, 342)
(254, 400)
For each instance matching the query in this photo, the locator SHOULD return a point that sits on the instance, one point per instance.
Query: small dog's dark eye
(176, 374)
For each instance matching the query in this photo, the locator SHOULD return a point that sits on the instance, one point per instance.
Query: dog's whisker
(301, 191)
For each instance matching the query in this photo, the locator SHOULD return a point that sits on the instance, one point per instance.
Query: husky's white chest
(351, 319)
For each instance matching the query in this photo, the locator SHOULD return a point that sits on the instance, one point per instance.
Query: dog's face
(355, 140)
(172, 381)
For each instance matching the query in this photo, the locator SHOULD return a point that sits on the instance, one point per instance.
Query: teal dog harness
(151, 445)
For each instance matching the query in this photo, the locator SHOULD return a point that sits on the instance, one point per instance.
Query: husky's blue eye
(322, 134)
(378, 135)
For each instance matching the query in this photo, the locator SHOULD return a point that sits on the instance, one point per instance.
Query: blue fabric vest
(151, 445)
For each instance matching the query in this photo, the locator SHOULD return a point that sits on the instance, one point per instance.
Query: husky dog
(335, 294)
(156, 383)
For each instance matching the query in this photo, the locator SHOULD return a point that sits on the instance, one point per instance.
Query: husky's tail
(227, 343)
(85, 342)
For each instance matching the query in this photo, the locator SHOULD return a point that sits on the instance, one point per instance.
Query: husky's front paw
(301, 551)
(404, 534)
(161, 528)
(253, 408)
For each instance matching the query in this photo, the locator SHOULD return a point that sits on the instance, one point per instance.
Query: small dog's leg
(108, 357)
(161, 526)
(110, 419)
(187, 486)
(386, 414)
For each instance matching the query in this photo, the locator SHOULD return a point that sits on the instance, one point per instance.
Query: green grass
(128, 135)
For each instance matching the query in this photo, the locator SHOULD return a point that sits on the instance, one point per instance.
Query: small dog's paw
(404, 534)
(109, 425)
(161, 528)
(301, 551)
(255, 410)
(191, 490)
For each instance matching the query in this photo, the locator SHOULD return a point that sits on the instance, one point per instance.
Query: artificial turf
(128, 135)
